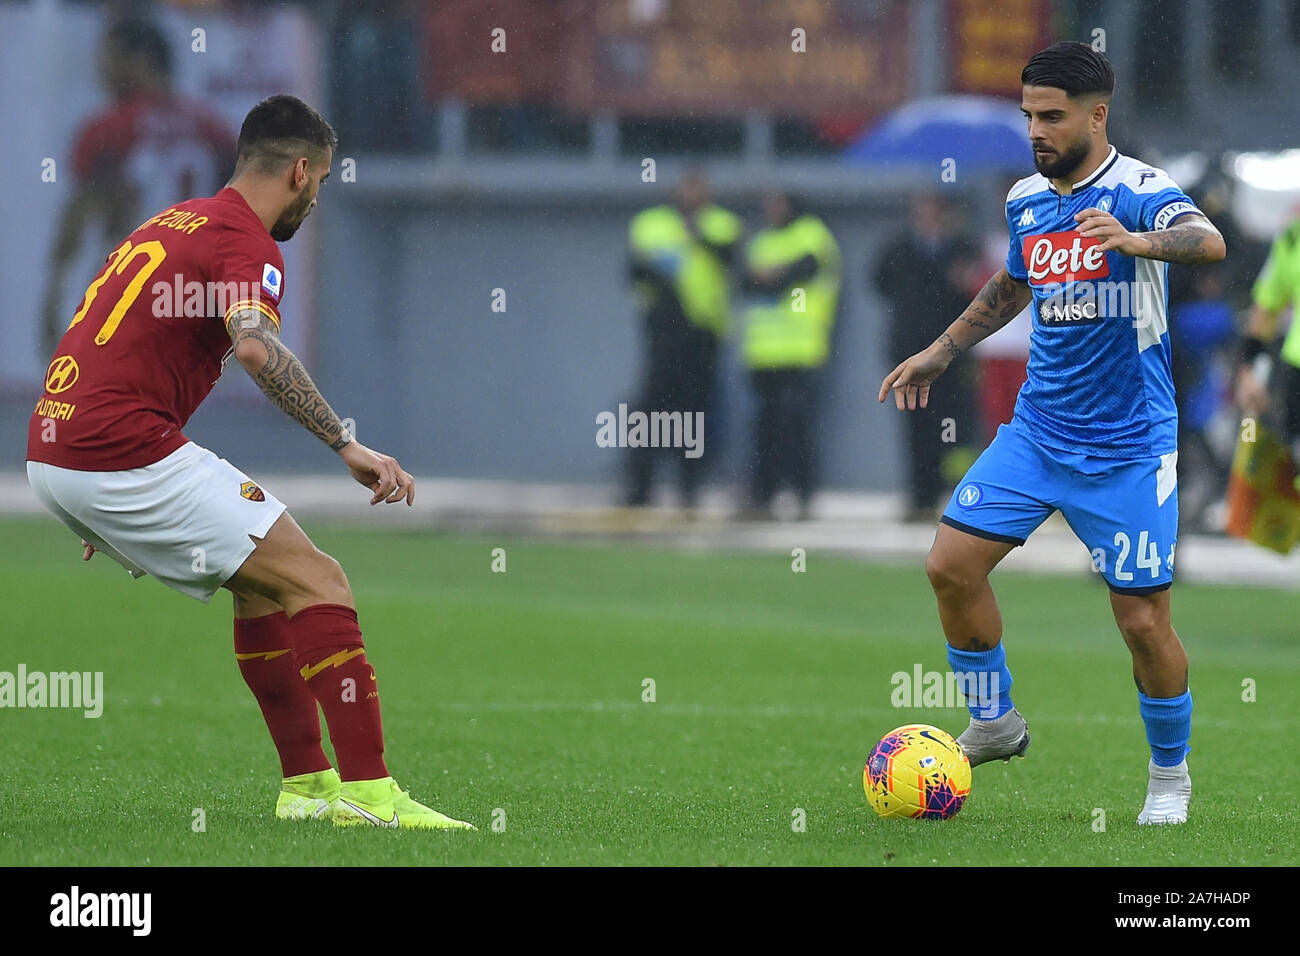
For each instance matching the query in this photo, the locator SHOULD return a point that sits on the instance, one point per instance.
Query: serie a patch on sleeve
(272, 281)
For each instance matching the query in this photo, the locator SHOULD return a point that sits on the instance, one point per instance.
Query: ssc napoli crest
(969, 495)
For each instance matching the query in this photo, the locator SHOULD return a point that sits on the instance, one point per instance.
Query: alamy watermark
(639, 429)
(72, 689)
(180, 299)
(922, 688)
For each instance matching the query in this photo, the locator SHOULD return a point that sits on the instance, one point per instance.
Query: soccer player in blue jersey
(1095, 427)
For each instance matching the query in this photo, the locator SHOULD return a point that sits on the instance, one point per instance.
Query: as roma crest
(250, 491)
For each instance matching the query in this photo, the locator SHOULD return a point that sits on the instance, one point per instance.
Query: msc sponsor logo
(969, 495)
(1063, 257)
(62, 374)
(250, 491)
(1065, 308)
(1078, 303)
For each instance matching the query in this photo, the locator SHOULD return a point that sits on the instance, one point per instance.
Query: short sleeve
(1157, 199)
(1275, 287)
(1015, 257)
(251, 270)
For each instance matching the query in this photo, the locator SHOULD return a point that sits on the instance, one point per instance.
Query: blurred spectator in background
(680, 255)
(1276, 290)
(923, 276)
(1203, 304)
(792, 268)
(1213, 196)
(147, 149)
(1200, 327)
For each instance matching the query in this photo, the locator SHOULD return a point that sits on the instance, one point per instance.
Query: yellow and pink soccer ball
(917, 771)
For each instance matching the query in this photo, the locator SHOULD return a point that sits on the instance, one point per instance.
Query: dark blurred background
(496, 151)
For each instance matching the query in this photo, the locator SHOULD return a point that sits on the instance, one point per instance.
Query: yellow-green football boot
(308, 796)
(382, 803)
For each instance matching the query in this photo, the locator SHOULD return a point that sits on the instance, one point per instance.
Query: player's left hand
(379, 472)
(1114, 237)
(87, 550)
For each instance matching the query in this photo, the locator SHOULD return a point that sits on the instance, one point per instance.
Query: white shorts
(185, 519)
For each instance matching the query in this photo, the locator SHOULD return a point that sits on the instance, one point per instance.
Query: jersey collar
(1112, 157)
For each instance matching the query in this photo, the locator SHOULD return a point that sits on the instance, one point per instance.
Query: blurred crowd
(922, 279)
(689, 258)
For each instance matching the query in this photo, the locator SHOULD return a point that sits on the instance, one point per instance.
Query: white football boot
(1000, 739)
(1169, 791)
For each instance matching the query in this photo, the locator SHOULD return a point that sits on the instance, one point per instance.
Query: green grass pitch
(518, 697)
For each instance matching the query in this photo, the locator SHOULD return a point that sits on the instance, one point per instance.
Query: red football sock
(332, 660)
(264, 650)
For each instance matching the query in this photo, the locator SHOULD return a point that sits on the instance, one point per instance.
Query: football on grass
(917, 771)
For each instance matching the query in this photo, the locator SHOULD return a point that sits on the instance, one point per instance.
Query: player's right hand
(912, 378)
(87, 550)
(380, 473)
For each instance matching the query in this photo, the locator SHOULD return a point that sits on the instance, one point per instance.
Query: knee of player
(1143, 627)
(945, 574)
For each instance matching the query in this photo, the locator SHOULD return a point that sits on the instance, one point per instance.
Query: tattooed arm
(1000, 301)
(1190, 239)
(281, 376)
(284, 380)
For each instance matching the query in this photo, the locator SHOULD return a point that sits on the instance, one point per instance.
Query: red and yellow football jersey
(148, 340)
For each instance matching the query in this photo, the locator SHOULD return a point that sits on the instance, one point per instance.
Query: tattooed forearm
(283, 378)
(949, 345)
(1191, 240)
(998, 302)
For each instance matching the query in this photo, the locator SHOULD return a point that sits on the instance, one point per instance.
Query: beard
(1061, 165)
(291, 219)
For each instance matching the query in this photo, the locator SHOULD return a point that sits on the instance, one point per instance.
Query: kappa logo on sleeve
(272, 281)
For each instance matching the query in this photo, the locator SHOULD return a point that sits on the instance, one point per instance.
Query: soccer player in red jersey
(106, 456)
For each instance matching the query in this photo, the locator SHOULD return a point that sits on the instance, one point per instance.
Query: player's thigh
(957, 557)
(287, 568)
(1001, 500)
(1126, 515)
(189, 519)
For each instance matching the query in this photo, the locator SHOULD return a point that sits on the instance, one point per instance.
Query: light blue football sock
(984, 679)
(1169, 726)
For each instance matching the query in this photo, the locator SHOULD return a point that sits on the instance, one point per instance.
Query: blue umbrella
(980, 132)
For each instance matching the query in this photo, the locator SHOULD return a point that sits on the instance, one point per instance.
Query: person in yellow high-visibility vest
(679, 257)
(1276, 290)
(793, 272)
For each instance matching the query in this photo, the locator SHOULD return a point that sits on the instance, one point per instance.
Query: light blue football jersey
(1100, 381)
